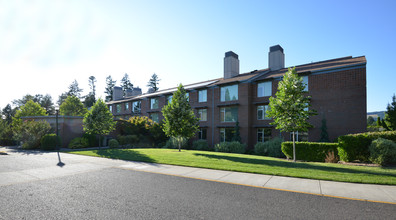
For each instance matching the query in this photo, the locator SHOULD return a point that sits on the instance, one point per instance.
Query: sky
(46, 45)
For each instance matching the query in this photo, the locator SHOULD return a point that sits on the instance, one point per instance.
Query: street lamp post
(57, 130)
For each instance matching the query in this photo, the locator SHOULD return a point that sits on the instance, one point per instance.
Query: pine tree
(110, 83)
(290, 108)
(126, 84)
(179, 118)
(90, 99)
(153, 83)
(390, 114)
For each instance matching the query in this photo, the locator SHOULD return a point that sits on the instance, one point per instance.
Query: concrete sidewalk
(69, 164)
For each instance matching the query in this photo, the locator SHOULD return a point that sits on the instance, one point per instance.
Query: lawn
(253, 164)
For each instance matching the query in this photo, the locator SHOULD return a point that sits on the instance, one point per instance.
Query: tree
(126, 84)
(74, 90)
(324, 136)
(153, 82)
(290, 108)
(237, 135)
(99, 120)
(370, 121)
(72, 106)
(390, 114)
(47, 104)
(110, 83)
(90, 99)
(29, 109)
(179, 119)
(8, 112)
(92, 81)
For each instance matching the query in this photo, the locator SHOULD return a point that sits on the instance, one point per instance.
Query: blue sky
(45, 45)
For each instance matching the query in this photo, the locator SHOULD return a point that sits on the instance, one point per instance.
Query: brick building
(337, 88)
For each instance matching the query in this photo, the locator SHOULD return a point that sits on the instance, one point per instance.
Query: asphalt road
(115, 193)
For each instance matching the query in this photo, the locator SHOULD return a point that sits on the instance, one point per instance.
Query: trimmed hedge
(272, 148)
(356, 146)
(309, 151)
(230, 147)
(383, 152)
(200, 145)
(113, 143)
(49, 141)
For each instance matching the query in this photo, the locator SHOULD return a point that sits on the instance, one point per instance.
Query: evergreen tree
(74, 90)
(8, 112)
(110, 83)
(47, 104)
(179, 118)
(290, 108)
(379, 124)
(390, 114)
(72, 106)
(153, 83)
(90, 99)
(324, 136)
(370, 121)
(237, 134)
(126, 84)
(99, 120)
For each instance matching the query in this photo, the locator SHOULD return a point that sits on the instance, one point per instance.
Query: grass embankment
(252, 164)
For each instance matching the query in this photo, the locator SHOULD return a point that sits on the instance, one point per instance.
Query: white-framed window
(229, 114)
(305, 81)
(202, 95)
(229, 93)
(202, 133)
(169, 99)
(203, 114)
(299, 136)
(226, 134)
(136, 106)
(126, 106)
(154, 117)
(264, 89)
(153, 103)
(264, 134)
(262, 112)
(118, 106)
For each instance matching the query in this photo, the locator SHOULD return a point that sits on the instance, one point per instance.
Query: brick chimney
(117, 93)
(231, 65)
(276, 58)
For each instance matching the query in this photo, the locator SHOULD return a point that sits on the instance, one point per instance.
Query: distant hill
(375, 115)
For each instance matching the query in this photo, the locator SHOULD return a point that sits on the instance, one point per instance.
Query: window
(299, 136)
(153, 103)
(188, 96)
(202, 95)
(305, 81)
(118, 106)
(229, 93)
(264, 89)
(169, 99)
(154, 117)
(136, 106)
(203, 114)
(202, 133)
(226, 134)
(262, 112)
(263, 134)
(229, 114)
(126, 106)
(111, 108)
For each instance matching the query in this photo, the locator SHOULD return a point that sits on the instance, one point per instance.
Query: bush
(30, 133)
(172, 143)
(230, 147)
(200, 145)
(79, 142)
(309, 151)
(272, 148)
(92, 140)
(383, 152)
(50, 141)
(356, 146)
(128, 140)
(113, 143)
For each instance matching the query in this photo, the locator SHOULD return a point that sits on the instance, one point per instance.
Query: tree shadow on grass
(298, 165)
(124, 154)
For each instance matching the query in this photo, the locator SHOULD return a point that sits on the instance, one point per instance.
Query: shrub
(272, 148)
(383, 151)
(50, 141)
(30, 133)
(157, 134)
(79, 142)
(92, 140)
(128, 140)
(200, 145)
(113, 143)
(309, 151)
(331, 157)
(230, 147)
(172, 143)
(356, 146)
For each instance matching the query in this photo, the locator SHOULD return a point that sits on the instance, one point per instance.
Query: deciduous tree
(72, 106)
(290, 106)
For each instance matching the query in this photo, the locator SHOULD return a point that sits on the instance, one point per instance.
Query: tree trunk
(294, 148)
(179, 142)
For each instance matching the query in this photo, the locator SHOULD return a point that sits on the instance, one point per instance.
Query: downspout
(213, 117)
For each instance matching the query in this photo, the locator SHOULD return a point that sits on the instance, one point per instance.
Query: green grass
(253, 164)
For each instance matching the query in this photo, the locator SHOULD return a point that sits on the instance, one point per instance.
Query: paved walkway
(69, 164)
